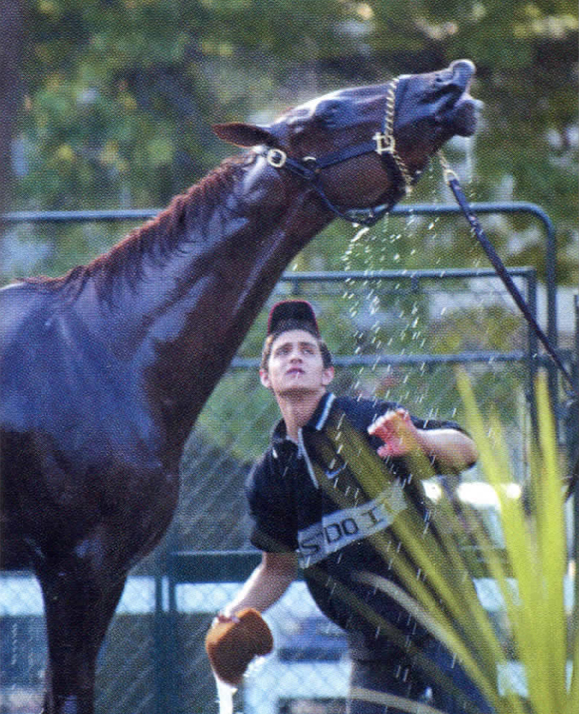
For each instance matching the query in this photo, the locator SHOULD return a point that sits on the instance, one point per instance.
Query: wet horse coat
(104, 371)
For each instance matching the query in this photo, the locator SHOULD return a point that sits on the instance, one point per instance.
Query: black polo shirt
(332, 500)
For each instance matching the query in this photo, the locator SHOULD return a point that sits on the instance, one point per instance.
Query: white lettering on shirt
(340, 528)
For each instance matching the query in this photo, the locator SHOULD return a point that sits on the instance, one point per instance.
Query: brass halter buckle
(276, 158)
(385, 142)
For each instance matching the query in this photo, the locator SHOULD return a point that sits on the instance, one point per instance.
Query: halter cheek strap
(383, 143)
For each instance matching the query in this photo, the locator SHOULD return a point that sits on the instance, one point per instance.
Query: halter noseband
(383, 144)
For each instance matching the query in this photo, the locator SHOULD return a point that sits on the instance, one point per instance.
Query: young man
(309, 505)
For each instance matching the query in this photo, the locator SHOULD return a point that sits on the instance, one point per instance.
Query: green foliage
(439, 571)
(120, 96)
(535, 542)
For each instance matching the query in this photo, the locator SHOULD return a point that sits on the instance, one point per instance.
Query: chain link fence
(395, 335)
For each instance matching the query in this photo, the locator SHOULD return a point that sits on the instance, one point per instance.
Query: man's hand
(450, 450)
(398, 433)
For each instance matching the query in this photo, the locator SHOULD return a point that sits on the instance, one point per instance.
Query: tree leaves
(117, 89)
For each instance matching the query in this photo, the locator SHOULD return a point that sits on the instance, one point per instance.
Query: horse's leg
(78, 612)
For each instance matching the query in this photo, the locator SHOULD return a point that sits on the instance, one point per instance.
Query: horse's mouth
(460, 111)
(465, 115)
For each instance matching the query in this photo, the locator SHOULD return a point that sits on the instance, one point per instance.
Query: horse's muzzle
(463, 110)
(466, 113)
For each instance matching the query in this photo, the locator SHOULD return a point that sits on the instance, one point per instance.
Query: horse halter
(383, 143)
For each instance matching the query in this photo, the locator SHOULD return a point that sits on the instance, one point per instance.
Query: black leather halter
(310, 167)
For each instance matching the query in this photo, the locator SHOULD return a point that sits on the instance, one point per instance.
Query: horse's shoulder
(21, 306)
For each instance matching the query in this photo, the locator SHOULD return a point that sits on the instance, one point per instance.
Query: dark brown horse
(104, 371)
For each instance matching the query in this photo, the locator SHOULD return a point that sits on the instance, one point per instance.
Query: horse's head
(364, 147)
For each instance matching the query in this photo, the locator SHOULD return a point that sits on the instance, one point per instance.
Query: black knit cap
(299, 310)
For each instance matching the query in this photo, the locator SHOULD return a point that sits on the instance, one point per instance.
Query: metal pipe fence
(394, 334)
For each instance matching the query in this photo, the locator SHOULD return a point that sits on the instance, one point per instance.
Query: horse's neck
(182, 315)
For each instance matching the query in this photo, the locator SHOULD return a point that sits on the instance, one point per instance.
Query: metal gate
(396, 334)
(390, 334)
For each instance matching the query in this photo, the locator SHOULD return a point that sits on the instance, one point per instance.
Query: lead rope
(453, 183)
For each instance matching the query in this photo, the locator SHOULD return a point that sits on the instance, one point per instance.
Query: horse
(105, 369)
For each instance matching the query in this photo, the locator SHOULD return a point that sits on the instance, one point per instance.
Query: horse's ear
(242, 134)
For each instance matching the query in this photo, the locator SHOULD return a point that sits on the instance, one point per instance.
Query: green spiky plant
(438, 573)
(536, 551)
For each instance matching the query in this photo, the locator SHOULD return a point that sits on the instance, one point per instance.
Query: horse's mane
(155, 240)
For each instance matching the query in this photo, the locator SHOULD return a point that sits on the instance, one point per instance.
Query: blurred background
(108, 104)
(113, 101)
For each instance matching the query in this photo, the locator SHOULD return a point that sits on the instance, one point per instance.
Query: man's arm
(265, 585)
(451, 449)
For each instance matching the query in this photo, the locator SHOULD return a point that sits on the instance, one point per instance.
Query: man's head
(294, 356)
(292, 315)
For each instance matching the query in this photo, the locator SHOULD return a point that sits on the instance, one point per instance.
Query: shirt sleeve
(271, 509)
(419, 423)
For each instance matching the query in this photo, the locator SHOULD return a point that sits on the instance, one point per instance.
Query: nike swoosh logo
(334, 472)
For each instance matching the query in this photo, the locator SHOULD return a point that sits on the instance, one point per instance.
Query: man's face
(296, 365)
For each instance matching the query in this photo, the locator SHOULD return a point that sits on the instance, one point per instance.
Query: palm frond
(438, 566)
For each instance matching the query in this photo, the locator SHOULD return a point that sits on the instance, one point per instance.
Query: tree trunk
(11, 44)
